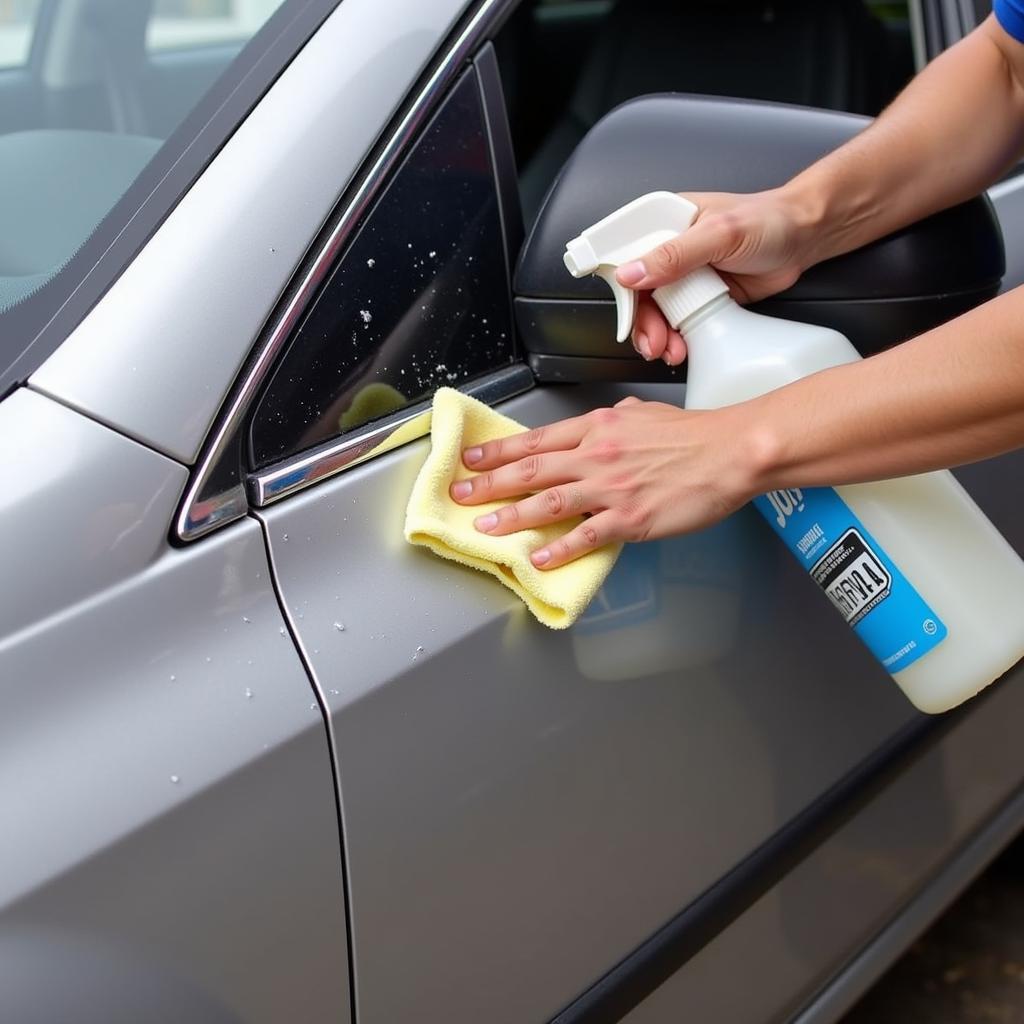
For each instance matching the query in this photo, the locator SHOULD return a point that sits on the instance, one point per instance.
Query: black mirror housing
(879, 295)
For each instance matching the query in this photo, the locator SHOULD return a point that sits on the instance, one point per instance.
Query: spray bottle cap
(629, 233)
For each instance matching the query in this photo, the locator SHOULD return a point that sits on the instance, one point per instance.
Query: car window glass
(181, 24)
(418, 300)
(17, 20)
(852, 55)
(82, 133)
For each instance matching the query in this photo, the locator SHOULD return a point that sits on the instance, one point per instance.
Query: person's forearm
(951, 396)
(955, 128)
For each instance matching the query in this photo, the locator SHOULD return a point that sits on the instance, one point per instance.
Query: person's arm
(956, 394)
(643, 470)
(952, 131)
(955, 128)
(950, 396)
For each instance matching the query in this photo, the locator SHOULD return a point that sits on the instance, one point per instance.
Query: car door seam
(332, 750)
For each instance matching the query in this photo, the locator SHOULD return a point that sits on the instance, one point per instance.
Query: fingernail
(471, 455)
(486, 523)
(633, 273)
(643, 345)
(462, 489)
(541, 557)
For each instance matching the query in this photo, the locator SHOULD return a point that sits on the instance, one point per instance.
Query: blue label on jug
(860, 579)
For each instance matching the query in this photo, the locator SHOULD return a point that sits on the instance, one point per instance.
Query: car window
(181, 24)
(78, 136)
(17, 21)
(419, 298)
(852, 55)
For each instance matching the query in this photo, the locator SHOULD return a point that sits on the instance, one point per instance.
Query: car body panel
(777, 957)
(554, 797)
(100, 531)
(183, 316)
(149, 801)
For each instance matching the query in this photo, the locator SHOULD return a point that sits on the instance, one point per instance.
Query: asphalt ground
(969, 966)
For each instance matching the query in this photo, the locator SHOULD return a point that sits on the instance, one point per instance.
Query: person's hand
(638, 471)
(759, 244)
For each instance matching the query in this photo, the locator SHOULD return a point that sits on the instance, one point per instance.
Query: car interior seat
(822, 53)
(118, 31)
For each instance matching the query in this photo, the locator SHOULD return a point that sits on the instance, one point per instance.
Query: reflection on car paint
(667, 605)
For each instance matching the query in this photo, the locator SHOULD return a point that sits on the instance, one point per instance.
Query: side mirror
(879, 295)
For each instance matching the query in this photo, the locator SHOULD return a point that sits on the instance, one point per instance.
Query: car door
(535, 823)
(523, 810)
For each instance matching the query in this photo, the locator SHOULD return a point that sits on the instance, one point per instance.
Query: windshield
(98, 101)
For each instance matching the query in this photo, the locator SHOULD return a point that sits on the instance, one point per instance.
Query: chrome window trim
(301, 471)
(192, 521)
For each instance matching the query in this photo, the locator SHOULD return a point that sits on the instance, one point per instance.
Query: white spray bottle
(913, 565)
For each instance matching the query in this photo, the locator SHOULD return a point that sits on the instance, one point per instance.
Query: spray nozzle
(626, 235)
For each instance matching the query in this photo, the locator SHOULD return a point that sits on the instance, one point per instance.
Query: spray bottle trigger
(625, 301)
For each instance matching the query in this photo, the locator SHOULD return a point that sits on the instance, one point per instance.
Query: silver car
(262, 761)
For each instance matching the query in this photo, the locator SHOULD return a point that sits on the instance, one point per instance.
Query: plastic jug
(912, 564)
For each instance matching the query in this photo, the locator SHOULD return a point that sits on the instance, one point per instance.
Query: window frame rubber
(326, 460)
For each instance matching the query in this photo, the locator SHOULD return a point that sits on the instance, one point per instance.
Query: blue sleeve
(1010, 14)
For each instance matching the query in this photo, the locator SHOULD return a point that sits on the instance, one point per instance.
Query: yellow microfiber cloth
(556, 597)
